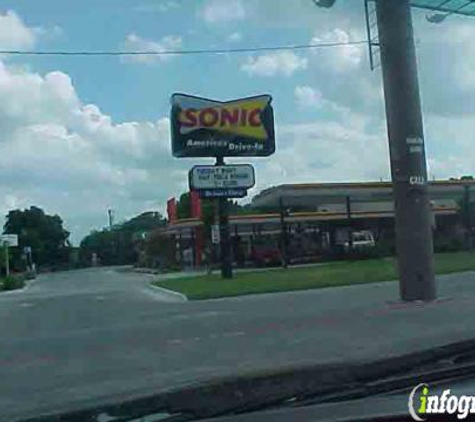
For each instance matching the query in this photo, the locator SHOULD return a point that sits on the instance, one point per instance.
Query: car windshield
(360, 237)
(199, 189)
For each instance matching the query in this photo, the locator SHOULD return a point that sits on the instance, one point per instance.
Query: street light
(324, 3)
(440, 17)
(437, 17)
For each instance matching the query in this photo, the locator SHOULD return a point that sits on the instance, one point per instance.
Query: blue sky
(82, 134)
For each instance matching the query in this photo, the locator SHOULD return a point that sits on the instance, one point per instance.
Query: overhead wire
(180, 52)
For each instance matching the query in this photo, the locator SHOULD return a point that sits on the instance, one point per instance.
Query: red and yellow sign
(240, 117)
(205, 128)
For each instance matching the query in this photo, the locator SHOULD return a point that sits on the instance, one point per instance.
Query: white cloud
(327, 151)
(135, 43)
(14, 33)
(48, 33)
(449, 141)
(337, 59)
(69, 157)
(219, 11)
(284, 63)
(308, 97)
(235, 37)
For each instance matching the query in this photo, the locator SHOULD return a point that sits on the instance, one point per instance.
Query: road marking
(234, 334)
(26, 305)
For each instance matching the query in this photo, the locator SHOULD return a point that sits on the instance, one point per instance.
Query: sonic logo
(221, 117)
(204, 127)
(240, 118)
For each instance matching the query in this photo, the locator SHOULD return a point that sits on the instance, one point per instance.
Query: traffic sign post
(7, 260)
(8, 240)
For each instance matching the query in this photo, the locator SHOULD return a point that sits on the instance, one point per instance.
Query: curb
(28, 283)
(181, 296)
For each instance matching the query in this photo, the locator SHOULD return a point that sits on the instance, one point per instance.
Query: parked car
(266, 253)
(361, 240)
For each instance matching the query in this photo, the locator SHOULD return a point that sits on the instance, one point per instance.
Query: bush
(12, 283)
(159, 252)
(172, 267)
(449, 245)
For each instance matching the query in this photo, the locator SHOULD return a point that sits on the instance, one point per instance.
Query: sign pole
(226, 260)
(7, 260)
(406, 147)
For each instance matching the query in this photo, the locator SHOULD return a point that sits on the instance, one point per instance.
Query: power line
(182, 52)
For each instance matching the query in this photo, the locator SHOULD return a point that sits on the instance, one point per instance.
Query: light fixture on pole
(324, 3)
(448, 10)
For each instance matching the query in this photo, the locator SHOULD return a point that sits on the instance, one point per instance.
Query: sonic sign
(206, 128)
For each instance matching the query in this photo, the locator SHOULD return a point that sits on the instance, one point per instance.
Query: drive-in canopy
(461, 7)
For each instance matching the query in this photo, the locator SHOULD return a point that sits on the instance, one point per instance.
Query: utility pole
(225, 246)
(407, 151)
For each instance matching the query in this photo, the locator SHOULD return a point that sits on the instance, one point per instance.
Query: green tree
(42, 232)
(159, 252)
(183, 206)
(120, 245)
(144, 222)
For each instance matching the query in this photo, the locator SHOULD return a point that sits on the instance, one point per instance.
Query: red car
(266, 254)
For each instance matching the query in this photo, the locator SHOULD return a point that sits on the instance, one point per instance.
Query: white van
(363, 239)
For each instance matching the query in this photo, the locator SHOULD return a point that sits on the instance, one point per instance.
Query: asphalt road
(98, 335)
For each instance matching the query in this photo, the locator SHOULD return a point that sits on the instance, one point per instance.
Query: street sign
(215, 236)
(238, 176)
(222, 193)
(11, 240)
(201, 127)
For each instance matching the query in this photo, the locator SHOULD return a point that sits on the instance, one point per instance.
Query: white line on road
(234, 334)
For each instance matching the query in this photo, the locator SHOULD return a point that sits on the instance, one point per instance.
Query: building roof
(316, 194)
(460, 7)
(186, 226)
